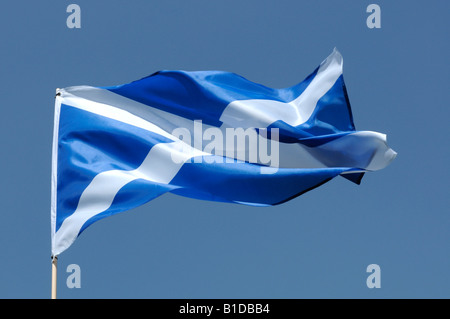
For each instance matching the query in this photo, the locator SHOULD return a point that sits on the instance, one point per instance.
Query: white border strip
(54, 176)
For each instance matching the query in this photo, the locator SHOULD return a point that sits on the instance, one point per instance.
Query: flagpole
(54, 271)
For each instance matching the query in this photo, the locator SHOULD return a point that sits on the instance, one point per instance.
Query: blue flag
(208, 135)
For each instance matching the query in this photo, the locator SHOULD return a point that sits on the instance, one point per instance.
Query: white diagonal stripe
(109, 111)
(158, 166)
(261, 113)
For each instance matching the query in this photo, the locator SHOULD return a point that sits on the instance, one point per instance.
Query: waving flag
(208, 135)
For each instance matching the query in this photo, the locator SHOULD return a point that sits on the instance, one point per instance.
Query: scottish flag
(208, 135)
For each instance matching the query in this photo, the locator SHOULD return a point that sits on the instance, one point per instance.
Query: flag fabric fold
(209, 135)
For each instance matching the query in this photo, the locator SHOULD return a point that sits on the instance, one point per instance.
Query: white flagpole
(54, 271)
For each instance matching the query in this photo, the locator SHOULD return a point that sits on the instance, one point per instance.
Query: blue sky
(315, 246)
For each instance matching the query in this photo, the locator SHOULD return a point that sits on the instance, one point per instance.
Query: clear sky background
(315, 246)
